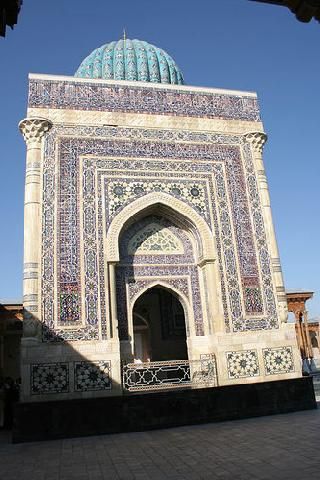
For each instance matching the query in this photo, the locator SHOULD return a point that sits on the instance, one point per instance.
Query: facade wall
(113, 154)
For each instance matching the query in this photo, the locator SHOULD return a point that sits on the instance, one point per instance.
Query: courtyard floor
(273, 447)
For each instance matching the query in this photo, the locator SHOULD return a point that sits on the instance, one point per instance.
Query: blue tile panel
(123, 98)
(212, 173)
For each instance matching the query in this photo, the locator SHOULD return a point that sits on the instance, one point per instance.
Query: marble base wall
(61, 419)
(69, 371)
(87, 370)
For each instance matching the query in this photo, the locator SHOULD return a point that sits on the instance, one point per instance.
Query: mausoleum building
(150, 257)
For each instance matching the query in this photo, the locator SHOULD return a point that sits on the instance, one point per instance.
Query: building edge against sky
(111, 164)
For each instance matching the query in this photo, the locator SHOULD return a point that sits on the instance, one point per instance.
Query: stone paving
(274, 447)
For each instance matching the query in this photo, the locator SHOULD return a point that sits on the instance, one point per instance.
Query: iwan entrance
(159, 330)
(150, 258)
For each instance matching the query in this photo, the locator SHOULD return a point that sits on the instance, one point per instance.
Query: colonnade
(297, 305)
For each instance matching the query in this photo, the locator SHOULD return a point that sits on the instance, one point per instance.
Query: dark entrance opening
(159, 327)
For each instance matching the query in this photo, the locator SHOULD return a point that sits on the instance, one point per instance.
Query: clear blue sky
(234, 44)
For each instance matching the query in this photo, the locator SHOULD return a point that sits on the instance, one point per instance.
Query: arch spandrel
(160, 283)
(175, 208)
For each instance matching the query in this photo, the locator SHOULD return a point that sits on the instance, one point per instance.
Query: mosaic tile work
(132, 60)
(242, 364)
(69, 264)
(183, 251)
(278, 360)
(49, 378)
(92, 376)
(121, 193)
(153, 239)
(259, 232)
(245, 243)
(138, 271)
(115, 98)
(139, 285)
(129, 152)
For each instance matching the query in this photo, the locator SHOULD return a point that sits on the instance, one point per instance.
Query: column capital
(257, 140)
(33, 129)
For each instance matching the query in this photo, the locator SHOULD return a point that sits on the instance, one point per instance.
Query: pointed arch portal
(169, 207)
(160, 239)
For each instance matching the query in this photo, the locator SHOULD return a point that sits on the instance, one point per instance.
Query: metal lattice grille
(170, 374)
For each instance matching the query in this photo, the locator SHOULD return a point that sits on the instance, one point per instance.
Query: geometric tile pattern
(154, 239)
(93, 96)
(49, 378)
(242, 364)
(224, 199)
(130, 60)
(278, 360)
(69, 230)
(145, 229)
(92, 376)
(177, 271)
(259, 232)
(121, 192)
(136, 272)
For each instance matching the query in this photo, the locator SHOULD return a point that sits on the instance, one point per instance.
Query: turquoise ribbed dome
(130, 60)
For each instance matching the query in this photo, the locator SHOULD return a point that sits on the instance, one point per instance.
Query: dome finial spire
(124, 34)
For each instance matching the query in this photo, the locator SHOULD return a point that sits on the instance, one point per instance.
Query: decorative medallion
(89, 376)
(278, 360)
(242, 364)
(49, 378)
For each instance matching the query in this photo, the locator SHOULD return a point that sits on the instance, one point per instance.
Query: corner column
(33, 131)
(257, 141)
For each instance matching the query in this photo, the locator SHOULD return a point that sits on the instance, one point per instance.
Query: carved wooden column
(300, 334)
(33, 131)
(297, 305)
(307, 334)
(257, 141)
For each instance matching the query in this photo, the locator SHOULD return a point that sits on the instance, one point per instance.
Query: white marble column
(113, 299)
(257, 141)
(216, 317)
(33, 131)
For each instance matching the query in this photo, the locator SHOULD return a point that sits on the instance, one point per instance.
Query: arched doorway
(159, 328)
(141, 338)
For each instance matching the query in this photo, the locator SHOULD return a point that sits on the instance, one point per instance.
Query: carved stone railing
(170, 374)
